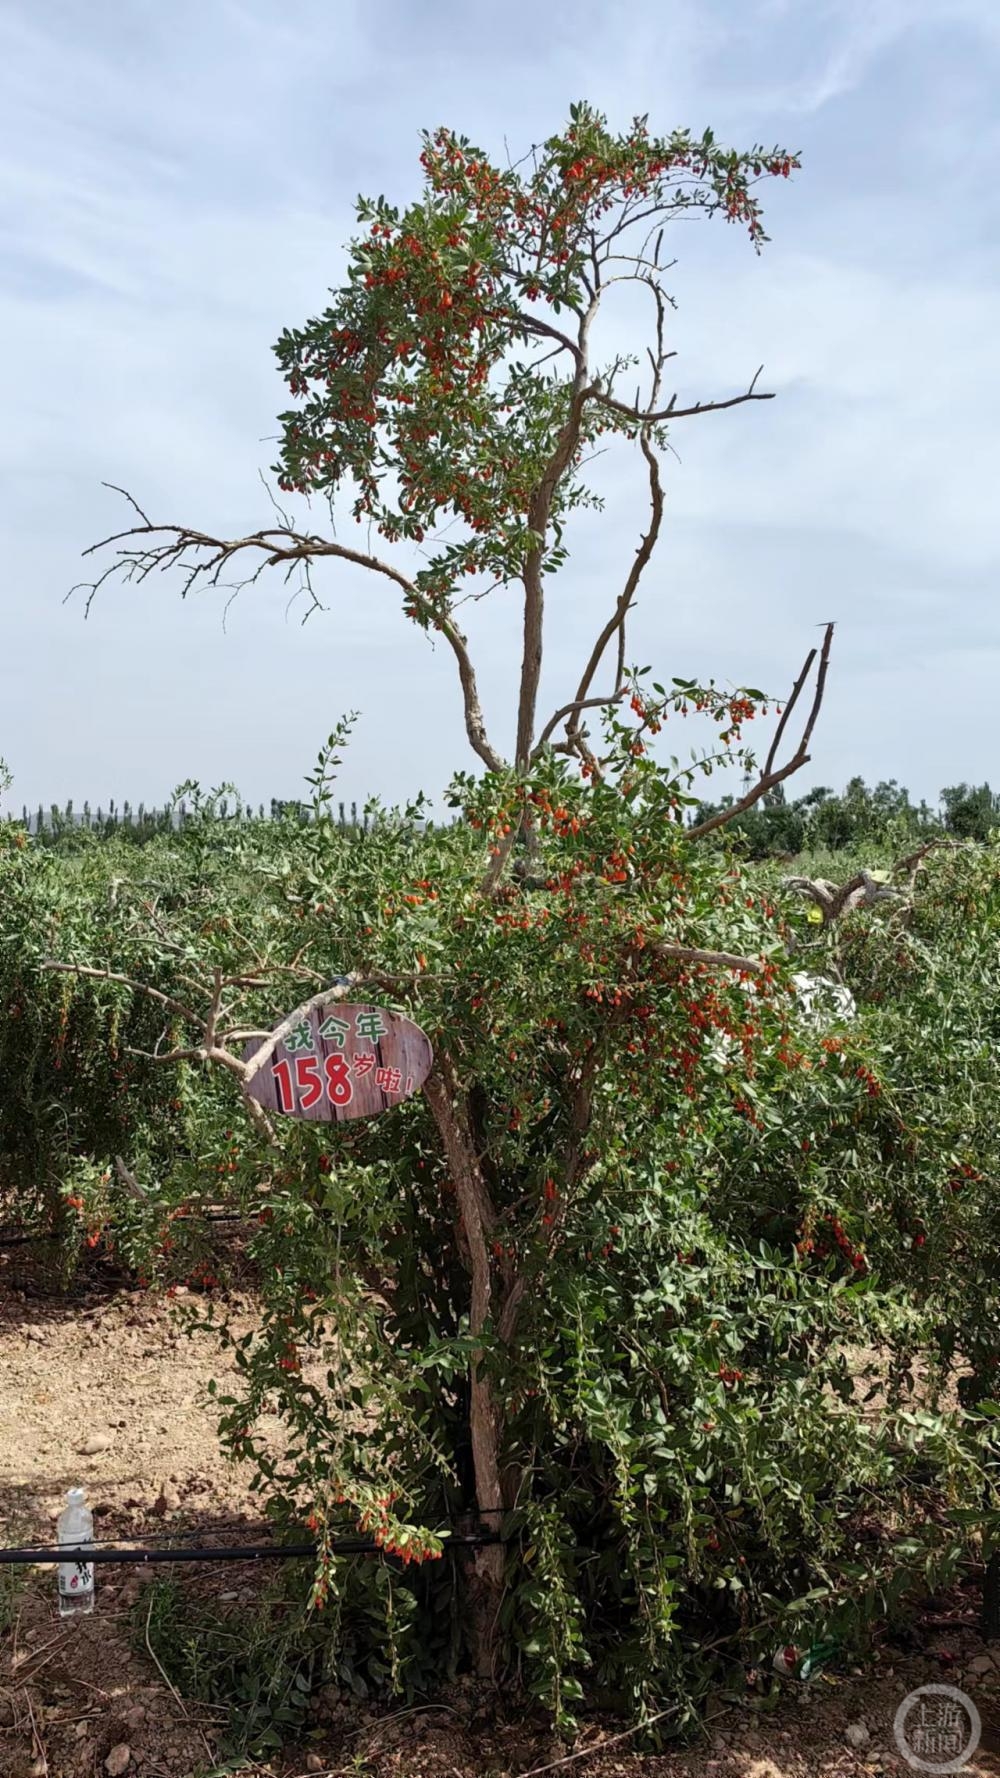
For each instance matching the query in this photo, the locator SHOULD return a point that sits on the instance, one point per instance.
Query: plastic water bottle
(802, 1663)
(76, 1579)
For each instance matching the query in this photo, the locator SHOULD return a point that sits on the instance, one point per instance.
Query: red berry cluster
(840, 1239)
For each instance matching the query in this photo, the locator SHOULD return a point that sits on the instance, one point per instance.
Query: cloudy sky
(176, 185)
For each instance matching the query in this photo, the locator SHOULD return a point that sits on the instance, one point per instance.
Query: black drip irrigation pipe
(20, 1239)
(274, 1552)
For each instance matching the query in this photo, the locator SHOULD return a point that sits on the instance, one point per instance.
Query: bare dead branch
(862, 888)
(790, 704)
(616, 622)
(913, 859)
(673, 412)
(147, 548)
(115, 489)
(771, 774)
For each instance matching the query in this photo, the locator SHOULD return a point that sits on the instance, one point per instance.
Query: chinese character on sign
(332, 1048)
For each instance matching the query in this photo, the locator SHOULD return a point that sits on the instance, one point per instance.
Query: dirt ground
(84, 1698)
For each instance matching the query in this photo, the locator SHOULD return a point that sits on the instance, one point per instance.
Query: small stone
(856, 1734)
(135, 1717)
(227, 1598)
(98, 1441)
(35, 1333)
(82, 1729)
(982, 1664)
(118, 1759)
(314, 1763)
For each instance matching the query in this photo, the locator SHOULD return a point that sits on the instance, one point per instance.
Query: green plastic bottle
(802, 1663)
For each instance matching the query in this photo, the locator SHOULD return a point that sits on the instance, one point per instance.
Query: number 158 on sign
(307, 1080)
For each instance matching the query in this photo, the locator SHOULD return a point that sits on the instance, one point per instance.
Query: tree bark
(477, 1216)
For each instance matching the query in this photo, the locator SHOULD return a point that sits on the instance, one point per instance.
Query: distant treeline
(54, 825)
(823, 821)
(820, 820)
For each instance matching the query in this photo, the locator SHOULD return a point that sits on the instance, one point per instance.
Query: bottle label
(76, 1578)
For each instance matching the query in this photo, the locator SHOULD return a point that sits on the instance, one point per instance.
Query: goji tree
(521, 1267)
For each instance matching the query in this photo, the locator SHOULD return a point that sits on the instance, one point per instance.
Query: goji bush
(603, 1290)
(692, 1210)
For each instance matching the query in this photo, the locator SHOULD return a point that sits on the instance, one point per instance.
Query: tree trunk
(477, 1219)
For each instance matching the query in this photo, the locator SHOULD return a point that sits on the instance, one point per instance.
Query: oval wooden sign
(341, 1061)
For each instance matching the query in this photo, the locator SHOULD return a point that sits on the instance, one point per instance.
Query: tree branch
(616, 622)
(326, 997)
(861, 889)
(673, 412)
(535, 324)
(446, 1101)
(147, 547)
(571, 710)
(720, 959)
(539, 510)
(771, 774)
(125, 981)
